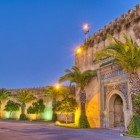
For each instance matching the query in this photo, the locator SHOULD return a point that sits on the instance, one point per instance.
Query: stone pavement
(47, 131)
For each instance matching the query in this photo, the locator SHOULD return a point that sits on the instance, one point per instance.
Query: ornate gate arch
(116, 107)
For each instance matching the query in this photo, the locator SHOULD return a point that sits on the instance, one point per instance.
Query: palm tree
(23, 97)
(127, 54)
(3, 96)
(81, 79)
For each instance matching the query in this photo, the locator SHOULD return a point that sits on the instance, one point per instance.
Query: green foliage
(12, 106)
(55, 94)
(136, 103)
(23, 117)
(24, 96)
(66, 106)
(31, 110)
(81, 79)
(83, 122)
(37, 107)
(3, 95)
(52, 91)
(68, 92)
(126, 53)
(134, 126)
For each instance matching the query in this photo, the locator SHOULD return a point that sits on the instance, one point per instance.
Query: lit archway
(116, 105)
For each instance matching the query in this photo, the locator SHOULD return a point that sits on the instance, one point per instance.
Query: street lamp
(86, 28)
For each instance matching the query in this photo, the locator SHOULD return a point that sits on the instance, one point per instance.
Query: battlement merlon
(115, 26)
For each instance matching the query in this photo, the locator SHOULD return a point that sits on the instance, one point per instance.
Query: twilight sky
(37, 37)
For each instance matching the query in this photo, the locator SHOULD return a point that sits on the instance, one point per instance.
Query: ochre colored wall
(93, 112)
(93, 103)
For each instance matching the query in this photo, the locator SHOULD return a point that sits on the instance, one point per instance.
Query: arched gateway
(109, 98)
(116, 114)
(116, 105)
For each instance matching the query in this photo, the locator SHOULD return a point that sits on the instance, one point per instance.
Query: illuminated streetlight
(86, 28)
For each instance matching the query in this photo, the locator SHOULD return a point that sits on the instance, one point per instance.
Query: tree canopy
(12, 106)
(24, 96)
(81, 79)
(36, 107)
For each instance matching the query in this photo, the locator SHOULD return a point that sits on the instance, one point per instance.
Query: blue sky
(37, 37)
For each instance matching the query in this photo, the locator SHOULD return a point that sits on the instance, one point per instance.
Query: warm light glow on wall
(32, 116)
(78, 50)
(57, 86)
(77, 115)
(71, 125)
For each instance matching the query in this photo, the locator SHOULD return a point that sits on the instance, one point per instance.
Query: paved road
(46, 131)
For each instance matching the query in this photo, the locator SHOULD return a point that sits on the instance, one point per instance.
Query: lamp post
(86, 28)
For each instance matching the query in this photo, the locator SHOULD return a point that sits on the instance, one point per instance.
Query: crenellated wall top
(116, 26)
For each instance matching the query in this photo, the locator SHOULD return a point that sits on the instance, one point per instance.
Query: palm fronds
(126, 53)
(81, 79)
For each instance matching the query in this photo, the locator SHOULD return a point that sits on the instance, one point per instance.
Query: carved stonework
(112, 74)
(122, 87)
(136, 30)
(109, 88)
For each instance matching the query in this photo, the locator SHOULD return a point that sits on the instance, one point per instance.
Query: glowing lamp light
(79, 50)
(57, 86)
(86, 28)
